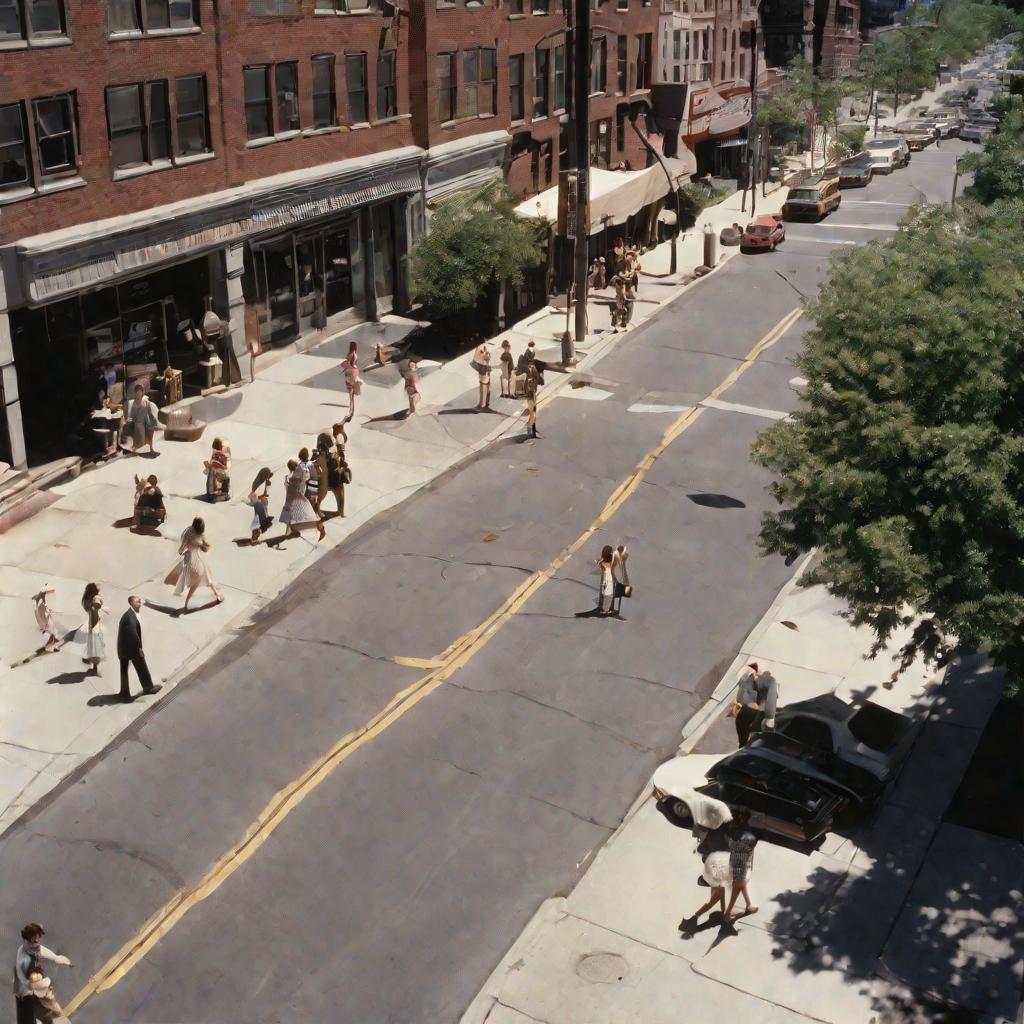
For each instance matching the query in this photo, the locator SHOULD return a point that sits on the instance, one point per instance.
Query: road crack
(159, 865)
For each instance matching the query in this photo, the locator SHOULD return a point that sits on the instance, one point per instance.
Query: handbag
(623, 589)
(346, 474)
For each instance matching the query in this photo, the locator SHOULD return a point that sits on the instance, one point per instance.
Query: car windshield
(759, 229)
(881, 144)
(804, 195)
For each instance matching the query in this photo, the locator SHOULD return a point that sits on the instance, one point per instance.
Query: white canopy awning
(614, 195)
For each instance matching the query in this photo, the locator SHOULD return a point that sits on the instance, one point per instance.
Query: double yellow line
(446, 665)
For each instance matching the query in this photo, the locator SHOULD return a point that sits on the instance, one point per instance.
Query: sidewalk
(54, 716)
(879, 926)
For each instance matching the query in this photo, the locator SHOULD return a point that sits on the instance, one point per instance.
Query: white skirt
(95, 644)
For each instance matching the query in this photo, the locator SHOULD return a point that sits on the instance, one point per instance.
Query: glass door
(384, 257)
(309, 259)
(279, 267)
(338, 270)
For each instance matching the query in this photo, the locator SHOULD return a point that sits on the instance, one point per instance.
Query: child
(44, 620)
(47, 1009)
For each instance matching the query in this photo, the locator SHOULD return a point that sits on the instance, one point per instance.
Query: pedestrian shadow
(68, 678)
(103, 700)
(596, 613)
(716, 501)
(392, 417)
(470, 411)
(177, 613)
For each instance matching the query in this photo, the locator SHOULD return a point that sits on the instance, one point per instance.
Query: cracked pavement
(393, 889)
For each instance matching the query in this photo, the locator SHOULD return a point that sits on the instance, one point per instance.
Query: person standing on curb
(530, 391)
(606, 582)
(506, 369)
(141, 419)
(741, 862)
(29, 952)
(482, 365)
(767, 699)
(412, 390)
(259, 495)
(129, 650)
(95, 644)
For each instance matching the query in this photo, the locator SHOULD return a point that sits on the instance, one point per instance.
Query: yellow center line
(447, 664)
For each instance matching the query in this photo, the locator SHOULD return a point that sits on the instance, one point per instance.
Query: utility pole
(580, 122)
(754, 150)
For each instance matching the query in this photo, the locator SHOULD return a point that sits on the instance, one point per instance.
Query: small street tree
(783, 112)
(999, 168)
(476, 240)
(905, 466)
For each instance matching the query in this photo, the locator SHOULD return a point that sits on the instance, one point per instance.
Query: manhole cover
(602, 968)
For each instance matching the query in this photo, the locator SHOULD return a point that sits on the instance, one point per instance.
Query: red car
(764, 232)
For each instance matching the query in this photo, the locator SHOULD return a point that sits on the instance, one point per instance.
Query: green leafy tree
(476, 240)
(999, 168)
(902, 62)
(905, 465)
(783, 112)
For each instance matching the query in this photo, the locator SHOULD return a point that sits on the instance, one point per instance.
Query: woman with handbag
(482, 365)
(606, 586)
(620, 579)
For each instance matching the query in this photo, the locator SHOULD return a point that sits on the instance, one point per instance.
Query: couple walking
(727, 849)
(614, 585)
(757, 694)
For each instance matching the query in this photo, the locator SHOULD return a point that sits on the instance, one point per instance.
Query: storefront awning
(614, 196)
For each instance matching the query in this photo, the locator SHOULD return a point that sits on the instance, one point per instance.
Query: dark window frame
(24, 11)
(643, 64)
(152, 134)
(559, 91)
(357, 87)
(387, 85)
(180, 117)
(479, 81)
(69, 170)
(517, 86)
(598, 65)
(317, 63)
(541, 84)
(622, 65)
(281, 99)
(171, 22)
(25, 145)
(266, 101)
(447, 94)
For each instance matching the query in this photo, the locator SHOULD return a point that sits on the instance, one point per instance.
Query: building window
(621, 113)
(356, 86)
(622, 65)
(151, 15)
(272, 8)
(598, 65)
(642, 78)
(191, 117)
(517, 86)
(56, 134)
(516, 6)
(343, 6)
(138, 126)
(541, 6)
(286, 90)
(446, 87)
(542, 165)
(387, 84)
(478, 74)
(259, 120)
(622, 5)
(541, 99)
(559, 90)
(600, 143)
(15, 163)
(30, 19)
(325, 101)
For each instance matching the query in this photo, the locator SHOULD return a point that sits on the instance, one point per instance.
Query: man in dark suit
(129, 650)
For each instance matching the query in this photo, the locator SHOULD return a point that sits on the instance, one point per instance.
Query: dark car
(855, 172)
(780, 800)
(866, 736)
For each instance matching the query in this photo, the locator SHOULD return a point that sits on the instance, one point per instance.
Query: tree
(905, 466)
(902, 62)
(999, 168)
(784, 110)
(476, 240)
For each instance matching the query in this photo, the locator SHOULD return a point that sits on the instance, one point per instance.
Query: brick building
(825, 33)
(273, 160)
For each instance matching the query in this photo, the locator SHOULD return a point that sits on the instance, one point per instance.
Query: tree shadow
(716, 501)
(921, 915)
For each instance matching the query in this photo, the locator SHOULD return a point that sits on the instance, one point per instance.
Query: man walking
(129, 650)
(530, 391)
(30, 950)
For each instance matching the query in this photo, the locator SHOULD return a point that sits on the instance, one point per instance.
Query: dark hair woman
(95, 643)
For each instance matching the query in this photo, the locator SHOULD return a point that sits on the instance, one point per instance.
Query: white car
(895, 145)
(883, 161)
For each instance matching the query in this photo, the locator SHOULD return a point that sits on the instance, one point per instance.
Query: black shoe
(125, 698)
(153, 689)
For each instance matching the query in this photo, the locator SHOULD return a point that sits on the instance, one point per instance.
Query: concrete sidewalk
(55, 716)
(881, 925)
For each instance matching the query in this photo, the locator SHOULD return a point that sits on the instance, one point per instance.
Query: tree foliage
(999, 168)
(475, 240)
(905, 464)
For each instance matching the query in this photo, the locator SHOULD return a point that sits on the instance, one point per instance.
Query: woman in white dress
(298, 513)
(606, 588)
(95, 643)
(191, 572)
(482, 365)
(141, 419)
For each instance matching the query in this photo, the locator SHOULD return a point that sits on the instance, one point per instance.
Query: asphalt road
(391, 889)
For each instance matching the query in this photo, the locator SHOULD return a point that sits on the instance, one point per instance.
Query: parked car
(763, 234)
(812, 199)
(949, 119)
(780, 800)
(971, 132)
(883, 161)
(855, 171)
(866, 736)
(917, 135)
(894, 144)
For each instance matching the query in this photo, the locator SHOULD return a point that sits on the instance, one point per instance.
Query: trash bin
(710, 246)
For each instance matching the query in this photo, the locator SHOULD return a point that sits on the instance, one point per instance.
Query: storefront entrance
(299, 283)
(108, 340)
